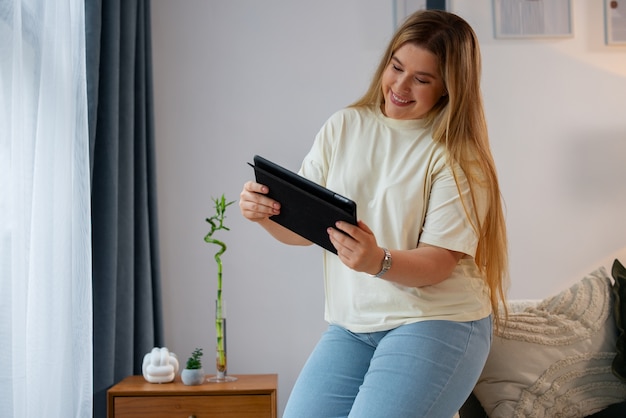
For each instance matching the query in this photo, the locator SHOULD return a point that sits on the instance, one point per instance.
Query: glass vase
(221, 357)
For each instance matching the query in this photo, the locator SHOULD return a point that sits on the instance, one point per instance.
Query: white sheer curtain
(45, 245)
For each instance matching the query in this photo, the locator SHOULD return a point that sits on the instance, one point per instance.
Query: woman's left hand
(358, 249)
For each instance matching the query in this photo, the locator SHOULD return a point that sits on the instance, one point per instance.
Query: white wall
(244, 77)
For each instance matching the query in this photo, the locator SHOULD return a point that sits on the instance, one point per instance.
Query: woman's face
(411, 83)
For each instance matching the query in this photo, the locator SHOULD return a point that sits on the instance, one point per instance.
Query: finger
(255, 187)
(260, 208)
(341, 241)
(346, 227)
(356, 233)
(254, 204)
(332, 239)
(255, 192)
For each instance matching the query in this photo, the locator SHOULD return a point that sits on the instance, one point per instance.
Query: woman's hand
(253, 203)
(422, 266)
(257, 207)
(358, 249)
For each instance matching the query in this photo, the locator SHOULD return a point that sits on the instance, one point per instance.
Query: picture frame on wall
(532, 18)
(404, 8)
(615, 22)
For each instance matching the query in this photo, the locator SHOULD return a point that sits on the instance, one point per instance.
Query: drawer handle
(192, 416)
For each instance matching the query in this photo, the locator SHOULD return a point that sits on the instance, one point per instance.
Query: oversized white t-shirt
(406, 193)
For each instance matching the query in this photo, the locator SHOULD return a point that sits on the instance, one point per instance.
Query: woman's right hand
(257, 207)
(254, 204)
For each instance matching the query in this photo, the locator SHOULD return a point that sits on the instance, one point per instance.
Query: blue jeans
(424, 369)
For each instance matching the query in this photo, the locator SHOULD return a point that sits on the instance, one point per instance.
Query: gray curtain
(126, 278)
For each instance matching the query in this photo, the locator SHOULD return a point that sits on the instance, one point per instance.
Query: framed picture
(615, 22)
(532, 18)
(403, 8)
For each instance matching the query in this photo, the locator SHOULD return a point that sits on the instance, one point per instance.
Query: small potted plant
(193, 374)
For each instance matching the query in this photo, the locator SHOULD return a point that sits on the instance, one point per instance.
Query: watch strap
(386, 264)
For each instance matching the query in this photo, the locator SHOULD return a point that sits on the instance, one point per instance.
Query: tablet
(307, 208)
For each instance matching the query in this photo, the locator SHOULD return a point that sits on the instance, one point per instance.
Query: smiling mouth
(398, 100)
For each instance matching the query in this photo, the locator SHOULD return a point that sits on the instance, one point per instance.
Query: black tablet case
(307, 208)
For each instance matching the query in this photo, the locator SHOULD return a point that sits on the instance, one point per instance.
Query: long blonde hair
(458, 121)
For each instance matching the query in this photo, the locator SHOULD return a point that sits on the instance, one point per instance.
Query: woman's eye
(421, 81)
(396, 68)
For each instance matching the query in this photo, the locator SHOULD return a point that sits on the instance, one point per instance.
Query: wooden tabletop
(246, 383)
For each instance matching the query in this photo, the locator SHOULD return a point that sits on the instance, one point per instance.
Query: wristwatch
(386, 264)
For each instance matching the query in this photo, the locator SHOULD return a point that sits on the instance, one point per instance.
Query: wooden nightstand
(252, 396)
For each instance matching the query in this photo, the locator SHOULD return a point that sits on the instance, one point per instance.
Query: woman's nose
(403, 83)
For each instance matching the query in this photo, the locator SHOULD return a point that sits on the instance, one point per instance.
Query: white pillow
(554, 360)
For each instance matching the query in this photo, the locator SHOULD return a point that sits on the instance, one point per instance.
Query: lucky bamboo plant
(217, 223)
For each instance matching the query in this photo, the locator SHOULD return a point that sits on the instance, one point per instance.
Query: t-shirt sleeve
(316, 163)
(452, 220)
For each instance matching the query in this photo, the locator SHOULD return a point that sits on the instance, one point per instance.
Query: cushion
(472, 409)
(619, 292)
(554, 359)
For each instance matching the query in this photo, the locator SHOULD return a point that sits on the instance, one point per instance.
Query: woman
(411, 291)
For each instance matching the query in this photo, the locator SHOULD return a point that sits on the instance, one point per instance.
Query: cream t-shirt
(405, 192)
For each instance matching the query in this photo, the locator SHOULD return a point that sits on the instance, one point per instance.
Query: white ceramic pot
(192, 377)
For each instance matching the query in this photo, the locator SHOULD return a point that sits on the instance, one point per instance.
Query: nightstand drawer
(250, 396)
(237, 406)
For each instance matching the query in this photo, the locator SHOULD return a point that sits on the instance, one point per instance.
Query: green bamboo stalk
(217, 223)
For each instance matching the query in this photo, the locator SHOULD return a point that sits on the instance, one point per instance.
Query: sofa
(563, 356)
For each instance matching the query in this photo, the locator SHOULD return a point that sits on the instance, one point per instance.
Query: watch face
(387, 260)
